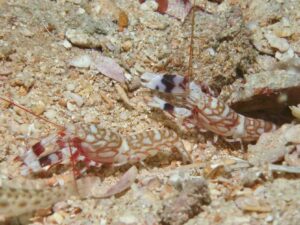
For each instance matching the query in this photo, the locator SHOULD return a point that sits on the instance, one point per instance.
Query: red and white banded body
(95, 145)
(202, 110)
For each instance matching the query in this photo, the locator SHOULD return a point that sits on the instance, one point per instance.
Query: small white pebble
(50, 114)
(128, 76)
(74, 97)
(128, 219)
(27, 33)
(103, 221)
(276, 42)
(211, 51)
(149, 6)
(80, 11)
(67, 44)
(269, 218)
(289, 54)
(83, 61)
(89, 118)
(23, 129)
(77, 98)
(71, 87)
(58, 217)
(252, 26)
(59, 206)
(71, 107)
(124, 115)
(175, 180)
(295, 111)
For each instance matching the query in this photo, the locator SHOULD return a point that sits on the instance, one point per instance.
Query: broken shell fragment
(252, 204)
(295, 111)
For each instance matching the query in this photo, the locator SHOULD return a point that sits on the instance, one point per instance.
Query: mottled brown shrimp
(18, 197)
(17, 200)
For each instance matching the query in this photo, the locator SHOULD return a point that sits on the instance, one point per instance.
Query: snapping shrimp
(202, 110)
(95, 146)
(15, 201)
(25, 196)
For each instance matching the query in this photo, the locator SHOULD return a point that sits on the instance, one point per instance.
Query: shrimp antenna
(190, 68)
(32, 113)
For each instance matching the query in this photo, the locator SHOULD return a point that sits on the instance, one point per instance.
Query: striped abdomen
(219, 118)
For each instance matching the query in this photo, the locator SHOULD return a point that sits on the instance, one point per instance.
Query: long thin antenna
(190, 68)
(32, 113)
(74, 168)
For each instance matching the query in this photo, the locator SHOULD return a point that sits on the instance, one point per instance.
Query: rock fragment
(81, 39)
(253, 204)
(149, 6)
(87, 32)
(188, 203)
(74, 98)
(295, 111)
(5, 50)
(154, 22)
(275, 147)
(283, 28)
(67, 44)
(5, 70)
(23, 79)
(126, 46)
(38, 108)
(82, 61)
(276, 42)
